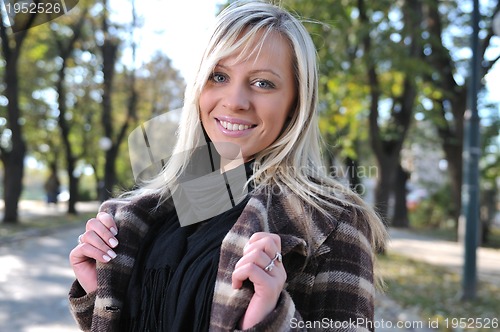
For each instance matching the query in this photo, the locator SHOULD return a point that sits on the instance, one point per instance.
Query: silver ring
(80, 239)
(269, 268)
(278, 257)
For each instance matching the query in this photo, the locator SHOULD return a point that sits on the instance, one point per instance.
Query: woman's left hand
(261, 264)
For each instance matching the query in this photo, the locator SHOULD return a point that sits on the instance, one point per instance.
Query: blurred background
(395, 89)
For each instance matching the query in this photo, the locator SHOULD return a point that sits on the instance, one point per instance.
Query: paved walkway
(34, 282)
(445, 253)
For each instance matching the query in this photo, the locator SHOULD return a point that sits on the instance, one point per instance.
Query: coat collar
(287, 215)
(283, 214)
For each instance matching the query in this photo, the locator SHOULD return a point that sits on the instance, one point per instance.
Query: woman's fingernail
(111, 253)
(106, 258)
(114, 231)
(113, 242)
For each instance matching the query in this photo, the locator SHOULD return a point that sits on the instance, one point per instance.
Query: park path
(35, 277)
(445, 253)
(34, 282)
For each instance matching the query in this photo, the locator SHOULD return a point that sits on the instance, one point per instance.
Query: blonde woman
(295, 253)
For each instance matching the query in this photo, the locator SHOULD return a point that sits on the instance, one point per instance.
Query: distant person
(297, 250)
(52, 186)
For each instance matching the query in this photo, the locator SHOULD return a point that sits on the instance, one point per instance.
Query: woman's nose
(236, 97)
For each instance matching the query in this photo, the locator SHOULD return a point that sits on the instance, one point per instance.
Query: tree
(387, 142)
(114, 136)
(13, 153)
(160, 87)
(446, 84)
(368, 64)
(342, 87)
(65, 44)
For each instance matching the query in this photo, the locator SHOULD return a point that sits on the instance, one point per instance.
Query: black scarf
(172, 282)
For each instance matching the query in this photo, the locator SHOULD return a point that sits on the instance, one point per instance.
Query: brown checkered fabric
(330, 272)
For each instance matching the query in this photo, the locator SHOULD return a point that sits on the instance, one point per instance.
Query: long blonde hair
(293, 162)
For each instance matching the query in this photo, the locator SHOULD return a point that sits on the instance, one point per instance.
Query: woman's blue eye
(218, 78)
(264, 84)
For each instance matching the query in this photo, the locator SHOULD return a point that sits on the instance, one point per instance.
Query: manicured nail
(111, 253)
(106, 258)
(114, 231)
(113, 243)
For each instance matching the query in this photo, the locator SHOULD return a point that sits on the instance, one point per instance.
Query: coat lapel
(281, 214)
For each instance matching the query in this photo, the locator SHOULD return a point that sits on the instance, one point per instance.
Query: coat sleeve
(81, 305)
(335, 291)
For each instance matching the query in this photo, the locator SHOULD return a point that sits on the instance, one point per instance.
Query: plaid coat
(330, 277)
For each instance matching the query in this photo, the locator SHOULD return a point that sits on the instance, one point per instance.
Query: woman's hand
(94, 245)
(261, 264)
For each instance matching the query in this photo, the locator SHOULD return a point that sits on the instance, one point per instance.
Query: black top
(172, 282)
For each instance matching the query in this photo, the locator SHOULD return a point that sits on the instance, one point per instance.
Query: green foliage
(434, 211)
(159, 87)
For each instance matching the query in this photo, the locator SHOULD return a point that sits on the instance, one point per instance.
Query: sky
(174, 27)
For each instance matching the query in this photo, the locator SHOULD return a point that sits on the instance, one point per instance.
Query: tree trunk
(387, 143)
(453, 153)
(353, 175)
(13, 158)
(400, 217)
(65, 52)
(68, 151)
(450, 107)
(487, 212)
(13, 181)
(109, 53)
(106, 191)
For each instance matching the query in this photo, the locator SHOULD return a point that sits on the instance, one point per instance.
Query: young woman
(295, 253)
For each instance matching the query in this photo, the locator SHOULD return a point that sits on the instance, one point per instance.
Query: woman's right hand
(96, 244)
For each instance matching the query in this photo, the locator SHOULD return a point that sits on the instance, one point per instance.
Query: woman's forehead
(259, 47)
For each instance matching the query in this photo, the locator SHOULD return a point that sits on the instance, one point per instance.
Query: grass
(435, 293)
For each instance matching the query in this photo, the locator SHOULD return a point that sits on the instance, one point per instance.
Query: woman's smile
(234, 127)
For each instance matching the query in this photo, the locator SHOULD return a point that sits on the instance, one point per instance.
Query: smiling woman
(290, 244)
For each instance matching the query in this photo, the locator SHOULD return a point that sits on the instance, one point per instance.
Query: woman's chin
(228, 151)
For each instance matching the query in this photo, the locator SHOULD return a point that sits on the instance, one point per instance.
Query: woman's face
(247, 103)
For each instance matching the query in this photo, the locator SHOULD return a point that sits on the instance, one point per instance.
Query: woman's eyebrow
(255, 71)
(266, 71)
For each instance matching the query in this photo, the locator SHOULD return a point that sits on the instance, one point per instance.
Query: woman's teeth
(233, 126)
